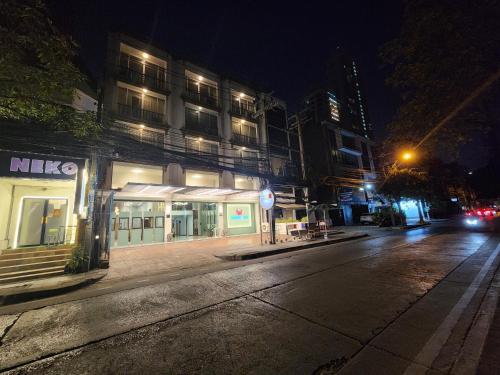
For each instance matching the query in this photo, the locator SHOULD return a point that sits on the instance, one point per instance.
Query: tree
(402, 183)
(37, 74)
(446, 50)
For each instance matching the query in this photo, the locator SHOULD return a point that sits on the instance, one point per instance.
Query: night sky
(281, 46)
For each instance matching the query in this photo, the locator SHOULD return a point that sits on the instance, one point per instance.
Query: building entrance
(42, 221)
(193, 220)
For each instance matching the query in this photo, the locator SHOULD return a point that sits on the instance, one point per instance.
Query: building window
(246, 159)
(142, 72)
(242, 104)
(142, 134)
(244, 131)
(201, 121)
(334, 106)
(209, 150)
(140, 105)
(245, 182)
(201, 89)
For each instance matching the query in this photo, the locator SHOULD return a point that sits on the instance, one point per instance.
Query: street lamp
(407, 155)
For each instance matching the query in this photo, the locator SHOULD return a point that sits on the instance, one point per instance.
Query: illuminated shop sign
(266, 199)
(239, 215)
(39, 166)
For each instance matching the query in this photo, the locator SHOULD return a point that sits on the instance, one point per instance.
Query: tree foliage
(446, 49)
(37, 74)
(404, 183)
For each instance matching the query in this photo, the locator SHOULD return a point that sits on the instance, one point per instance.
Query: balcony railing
(250, 165)
(142, 79)
(239, 110)
(244, 139)
(140, 114)
(201, 98)
(203, 128)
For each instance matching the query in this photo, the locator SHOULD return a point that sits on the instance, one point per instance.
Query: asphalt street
(403, 303)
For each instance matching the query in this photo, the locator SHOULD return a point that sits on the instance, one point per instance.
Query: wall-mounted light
(242, 95)
(137, 170)
(200, 139)
(144, 90)
(145, 55)
(200, 78)
(243, 148)
(142, 126)
(196, 176)
(199, 108)
(242, 121)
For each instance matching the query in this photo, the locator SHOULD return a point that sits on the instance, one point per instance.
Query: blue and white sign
(267, 199)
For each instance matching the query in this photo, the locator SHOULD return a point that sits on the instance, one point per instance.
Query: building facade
(189, 148)
(337, 146)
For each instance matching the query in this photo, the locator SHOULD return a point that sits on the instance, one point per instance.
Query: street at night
(370, 306)
(195, 187)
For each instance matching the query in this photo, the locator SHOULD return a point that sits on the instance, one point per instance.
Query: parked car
(367, 219)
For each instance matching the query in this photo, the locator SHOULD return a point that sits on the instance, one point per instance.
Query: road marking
(104, 287)
(142, 281)
(433, 346)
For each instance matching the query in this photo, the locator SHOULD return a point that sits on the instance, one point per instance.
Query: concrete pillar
(226, 180)
(174, 175)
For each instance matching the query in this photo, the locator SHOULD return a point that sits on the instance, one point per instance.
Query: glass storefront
(137, 223)
(193, 220)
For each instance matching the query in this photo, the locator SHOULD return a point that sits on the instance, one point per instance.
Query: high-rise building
(337, 145)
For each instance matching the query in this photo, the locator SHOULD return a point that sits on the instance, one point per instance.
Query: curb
(29, 289)
(261, 254)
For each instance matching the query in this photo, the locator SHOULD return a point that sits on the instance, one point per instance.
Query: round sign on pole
(266, 199)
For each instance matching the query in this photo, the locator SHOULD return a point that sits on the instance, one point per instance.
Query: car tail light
(479, 213)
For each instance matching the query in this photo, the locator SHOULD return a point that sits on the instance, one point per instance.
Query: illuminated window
(334, 106)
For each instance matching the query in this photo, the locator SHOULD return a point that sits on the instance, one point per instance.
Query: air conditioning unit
(265, 227)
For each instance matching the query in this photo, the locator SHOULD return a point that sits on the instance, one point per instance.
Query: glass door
(42, 221)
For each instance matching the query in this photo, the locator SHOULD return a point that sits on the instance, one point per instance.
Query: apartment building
(191, 148)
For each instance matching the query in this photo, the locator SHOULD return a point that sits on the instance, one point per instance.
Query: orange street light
(407, 155)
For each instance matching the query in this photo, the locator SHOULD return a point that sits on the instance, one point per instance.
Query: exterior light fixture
(369, 186)
(145, 55)
(199, 108)
(136, 170)
(196, 176)
(142, 126)
(144, 90)
(200, 78)
(407, 155)
(200, 139)
(243, 148)
(242, 121)
(470, 172)
(242, 95)
(361, 189)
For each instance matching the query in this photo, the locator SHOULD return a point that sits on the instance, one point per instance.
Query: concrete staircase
(18, 265)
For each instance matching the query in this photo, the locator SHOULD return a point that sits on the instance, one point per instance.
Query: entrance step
(33, 250)
(32, 266)
(7, 254)
(15, 277)
(30, 260)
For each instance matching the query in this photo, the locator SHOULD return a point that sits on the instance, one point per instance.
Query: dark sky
(280, 45)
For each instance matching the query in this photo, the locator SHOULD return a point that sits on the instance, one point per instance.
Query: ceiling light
(200, 78)
(242, 121)
(242, 95)
(199, 108)
(200, 139)
(243, 148)
(196, 176)
(137, 170)
(145, 55)
(142, 126)
(144, 90)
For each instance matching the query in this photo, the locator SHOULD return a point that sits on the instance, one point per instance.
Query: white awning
(138, 190)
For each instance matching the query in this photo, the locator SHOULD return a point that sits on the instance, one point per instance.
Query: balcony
(202, 129)
(247, 165)
(139, 114)
(201, 99)
(244, 140)
(240, 110)
(141, 79)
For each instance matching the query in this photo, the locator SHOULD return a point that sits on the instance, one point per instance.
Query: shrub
(383, 217)
(78, 262)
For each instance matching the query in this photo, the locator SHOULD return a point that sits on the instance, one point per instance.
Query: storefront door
(42, 221)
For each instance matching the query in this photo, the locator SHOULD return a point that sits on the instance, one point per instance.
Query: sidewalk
(42, 287)
(267, 250)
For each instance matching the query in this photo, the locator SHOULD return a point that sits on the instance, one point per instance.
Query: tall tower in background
(345, 86)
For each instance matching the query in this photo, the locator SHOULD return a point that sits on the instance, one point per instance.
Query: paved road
(406, 303)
